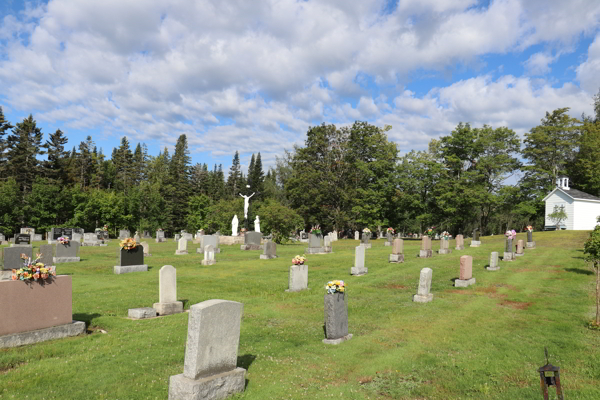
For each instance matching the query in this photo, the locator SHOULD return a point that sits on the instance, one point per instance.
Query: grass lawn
(481, 342)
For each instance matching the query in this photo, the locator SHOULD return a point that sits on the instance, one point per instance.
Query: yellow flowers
(128, 244)
(298, 260)
(335, 287)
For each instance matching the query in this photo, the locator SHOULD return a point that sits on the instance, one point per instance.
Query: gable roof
(575, 195)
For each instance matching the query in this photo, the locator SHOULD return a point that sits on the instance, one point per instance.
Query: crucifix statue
(246, 205)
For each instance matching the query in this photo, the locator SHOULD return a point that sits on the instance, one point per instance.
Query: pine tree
(235, 174)
(24, 145)
(56, 165)
(85, 162)
(122, 159)
(179, 169)
(4, 127)
(258, 177)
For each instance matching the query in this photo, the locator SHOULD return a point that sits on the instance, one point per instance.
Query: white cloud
(539, 63)
(588, 73)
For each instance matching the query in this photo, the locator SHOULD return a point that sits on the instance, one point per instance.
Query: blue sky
(253, 76)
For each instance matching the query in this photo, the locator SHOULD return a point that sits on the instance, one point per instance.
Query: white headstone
(181, 246)
(423, 295)
(359, 261)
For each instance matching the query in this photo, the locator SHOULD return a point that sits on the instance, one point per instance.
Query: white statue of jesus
(246, 204)
(257, 224)
(234, 226)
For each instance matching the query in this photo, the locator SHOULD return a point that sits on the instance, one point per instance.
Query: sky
(253, 76)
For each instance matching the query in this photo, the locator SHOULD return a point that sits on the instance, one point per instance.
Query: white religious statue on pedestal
(234, 226)
(257, 224)
(246, 203)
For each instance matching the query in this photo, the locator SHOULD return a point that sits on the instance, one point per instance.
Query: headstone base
(315, 250)
(181, 252)
(396, 258)
(464, 283)
(175, 307)
(201, 250)
(425, 253)
(530, 245)
(338, 340)
(475, 243)
(387, 244)
(141, 313)
(296, 290)
(444, 251)
(21, 245)
(328, 249)
(147, 255)
(41, 335)
(118, 270)
(5, 274)
(57, 260)
(215, 387)
(519, 254)
(209, 262)
(91, 244)
(358, 271)
(366, 246)
(267, 257)
(160, 240)
(508, 257)
(492, 268)
(250, 247)
(459, 248)
(418, 298)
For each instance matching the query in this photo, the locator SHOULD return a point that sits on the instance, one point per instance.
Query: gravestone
(423, 295)
(209, 255)
(304, 236)
(425, 251)
(359, 262)
(509, 255)
(437, 236)
(356, 235)
(314, 245)
(36, 237)
(252, 241)
(2, 237)
(136, 237)
(493, 262)
(177, 237)
(270, 251)
(206, 240)
(334, 236)
(124, 234)
(475, 242)
(365, 240)
(167, 292)
(444, 247)
(92, 239)
(181, 246)
(130, 261)
(530, 242)
(397, 255)
(160, 236)
(47, 257)
(466, 272)
(327, 244)
(146, 235)
(27, 231)
(141, 313)
(336, 318)
(22, 240)
(460, 242)
(12, 260)
(520, 248)
(67, 252)
(211, 350)
(146, 248)
(389, 238)
(77, 237)
(298, 278)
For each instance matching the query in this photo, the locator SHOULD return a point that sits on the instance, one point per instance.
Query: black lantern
(550, 376)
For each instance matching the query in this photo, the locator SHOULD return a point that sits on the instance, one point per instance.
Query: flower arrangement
(63, 240)
(32, 270)
(316, 230)
(105, 228)
(159, 229)
(335, 287)
(299, 260)
(244, 230)
(445, 235)
(529, 228)
(429, 232)
(390, 230)
(128, 244)
(366, 230)
(510, 234)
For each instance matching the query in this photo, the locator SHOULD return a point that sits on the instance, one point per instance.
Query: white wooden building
(582, 209)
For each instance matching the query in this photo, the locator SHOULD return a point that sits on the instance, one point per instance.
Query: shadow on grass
(244, 362)
(578, 258)
(87, 318)
(579, 271)
(185, 302)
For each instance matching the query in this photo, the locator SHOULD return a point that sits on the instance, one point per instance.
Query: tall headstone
(67, 252)
(314, 244)
(327, 244)
(206, 240)
(356, 235)
(130, 261)
(181, 246)
(520, 251)
(252, 241)
(397, 255)
(466, 272)
(460, 242)
(530, 242)
(509, 255)
(336, 318)
(146, 248)
(475, 242)
(167, 292)
(160, 236)
(213, 338)
(234, 225)
(425, 251)
(444, 246)
(359, 261)
(493, 262)
(365, 240)
(12, 260)
(270, 251)
(298, 278)
(423, 295)
(47, 258)
(209, 255)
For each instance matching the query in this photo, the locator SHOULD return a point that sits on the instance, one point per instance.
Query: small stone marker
(493, 262)
(475, 242)
(530, 242)
(327, 243)
(425, 251)
(509, 255)
(365, 240)
(336, 318)
(213, 338)
(397, 255)
(356, 235)
(205, 240)
(389, 237)
(136, 237)
(209, 255)
(423, 295)
(160, 236)
(466, 272)
(130, 261)
(520, 250)
(181, 246)
(46, 251)
(167, 292)
(314, 244)
(146, 248)
(444, 247)
(460, 242)
(141, 313)
(270, 251)
(298, 278)
(252, 241)
(359, 261)
(67, 252)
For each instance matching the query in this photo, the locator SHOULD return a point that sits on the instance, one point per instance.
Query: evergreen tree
(122, 158)
(138, 165)
(24, 145)
(256, 175)
(86, 163)
(56, 165)
(4, 127)
(179, 169)
(233, 186)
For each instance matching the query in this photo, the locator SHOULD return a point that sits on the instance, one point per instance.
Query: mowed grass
(481, 342)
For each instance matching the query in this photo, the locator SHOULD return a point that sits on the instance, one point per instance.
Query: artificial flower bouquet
(32, 270)
(335, 287)
(510, 234)
(299, 260)
(63, 240)
(316, 230)
(128, 244)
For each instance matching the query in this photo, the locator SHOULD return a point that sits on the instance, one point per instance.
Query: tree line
(342, 178)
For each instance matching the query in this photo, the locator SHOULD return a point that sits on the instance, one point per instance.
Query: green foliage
(24, 145)
(10, 206)
(198, 209)
(585, 170)
(558, 215)
(278, 220)
(220, 214)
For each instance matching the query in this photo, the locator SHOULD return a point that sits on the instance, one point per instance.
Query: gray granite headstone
(46, 251)
(336, 318)
(209, 255)
(12, 256)
(124, 234)
(160, 236)
(365, 240)
(212, 240)
(67, 252)
(252, 241)
(509, 254)
(270, 251)
(314, 244)
(327, 243)
(130, 261)
(493, 262)
(22, 238)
